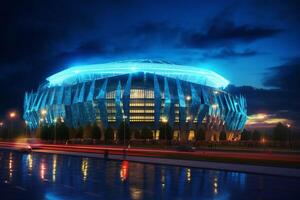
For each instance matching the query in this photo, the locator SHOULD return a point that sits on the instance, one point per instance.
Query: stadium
(142, 93)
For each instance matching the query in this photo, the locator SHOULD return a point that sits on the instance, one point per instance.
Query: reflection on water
(46, 176)
(10, 165)
(42, 169)
(188, 175)
(84, 168)
(54, 168)
(124, 170)
(29, 163)
(215, 185)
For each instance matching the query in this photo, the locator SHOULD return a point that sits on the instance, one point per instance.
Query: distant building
(140, 92)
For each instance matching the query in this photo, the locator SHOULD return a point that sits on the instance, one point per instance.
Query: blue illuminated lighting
(83, 73)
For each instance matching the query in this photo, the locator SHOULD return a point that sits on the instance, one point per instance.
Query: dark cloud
(285, 77)
(161, 29)
(229, 53)
(224, 32)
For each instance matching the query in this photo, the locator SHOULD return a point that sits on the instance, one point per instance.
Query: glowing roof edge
(182, 72)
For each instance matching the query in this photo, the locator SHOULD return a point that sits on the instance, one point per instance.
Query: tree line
(61, 132)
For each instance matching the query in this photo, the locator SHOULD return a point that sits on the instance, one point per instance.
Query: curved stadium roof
(83, 73)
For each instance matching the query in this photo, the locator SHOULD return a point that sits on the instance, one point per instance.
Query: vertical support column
(195, 106)
(50, 112)
(126, 97)
(67, 101)
(157, 103)
(182, 105)
(169, 104)
(81, 111)
(119, 114)
(74, 108)
(59, 102)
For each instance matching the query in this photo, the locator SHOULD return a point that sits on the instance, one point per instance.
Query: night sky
(254, 44)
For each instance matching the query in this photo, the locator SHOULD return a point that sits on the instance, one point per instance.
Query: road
(147, 152)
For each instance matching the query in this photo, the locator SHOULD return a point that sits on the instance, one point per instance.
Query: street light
(12, 115)
(43, 114)
(215, 106)
(188, 98)
(188, 118)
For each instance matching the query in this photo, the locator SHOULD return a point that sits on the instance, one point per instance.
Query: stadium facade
(141, 93)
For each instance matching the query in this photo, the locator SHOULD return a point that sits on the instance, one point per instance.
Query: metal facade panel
(205, 96)
(75, 98)
(195, 103)
(90, 96)
(203, 112)
(43, 104)
(102, 103)
(60, 95)
(51, 100)
(35, 98)
(39, 101)
(67, 101)
(81, 93)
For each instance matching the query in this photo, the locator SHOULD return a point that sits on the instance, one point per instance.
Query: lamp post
(26, 124)
(12, 116)
(55, 120)
(124, 119)
(1, 126)
(165, 121)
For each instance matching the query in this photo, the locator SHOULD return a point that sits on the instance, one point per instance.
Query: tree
(47, 132)
(245, 135)
(256, 135)
(72, 132)
(108, 135)
(79, 132)
(123, 126)
(87, 131)
(281, 132)
(137, 134)
(146, 133)
(200, 134)
(165, 132)
(223, 135)
(96, 131)
(62, 131)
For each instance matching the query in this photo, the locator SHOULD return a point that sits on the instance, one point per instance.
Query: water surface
(56, 177)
